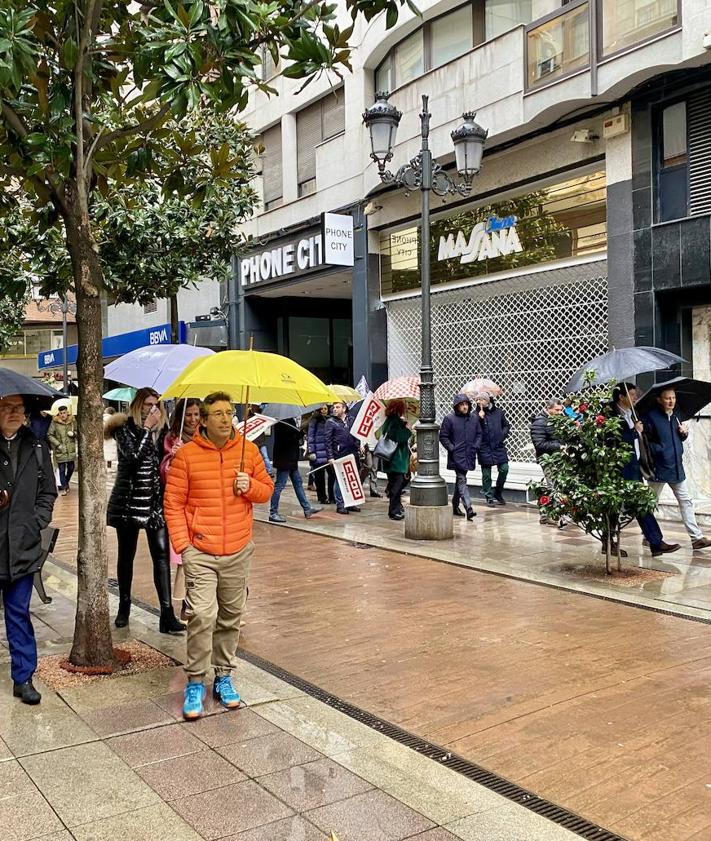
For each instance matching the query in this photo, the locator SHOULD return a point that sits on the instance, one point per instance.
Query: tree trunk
(174, 320)
(92, 644)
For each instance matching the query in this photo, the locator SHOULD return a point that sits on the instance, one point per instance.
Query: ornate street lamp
(64, 305)
(428, 488)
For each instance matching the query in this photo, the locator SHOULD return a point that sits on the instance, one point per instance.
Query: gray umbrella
(40, 396)
(622, 364)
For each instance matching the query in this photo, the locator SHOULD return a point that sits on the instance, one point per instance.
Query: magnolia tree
(584, 478)
(92, 99)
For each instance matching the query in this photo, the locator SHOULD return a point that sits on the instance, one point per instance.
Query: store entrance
(315, 332)
(323, 344)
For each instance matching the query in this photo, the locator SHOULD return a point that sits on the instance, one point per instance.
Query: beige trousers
(215, 592)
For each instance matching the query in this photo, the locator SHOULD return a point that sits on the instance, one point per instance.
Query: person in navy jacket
(666, 435)
(340, 443)
(460, 435)
(631, 429)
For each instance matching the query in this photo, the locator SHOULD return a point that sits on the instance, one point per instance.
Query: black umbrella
(691, 396)
(40, 396)
(622, 364)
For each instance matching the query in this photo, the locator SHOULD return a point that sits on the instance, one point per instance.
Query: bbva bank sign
(493, 238)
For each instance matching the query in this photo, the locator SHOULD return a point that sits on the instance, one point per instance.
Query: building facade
(588, 225)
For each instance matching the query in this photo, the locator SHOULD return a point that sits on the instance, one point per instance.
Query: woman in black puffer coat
(136, 502)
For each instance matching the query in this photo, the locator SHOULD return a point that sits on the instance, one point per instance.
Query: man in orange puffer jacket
(208, 509)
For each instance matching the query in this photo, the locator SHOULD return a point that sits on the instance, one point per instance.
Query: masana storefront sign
(493, 238)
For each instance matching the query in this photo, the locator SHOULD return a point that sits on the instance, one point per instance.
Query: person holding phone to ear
(136, 503)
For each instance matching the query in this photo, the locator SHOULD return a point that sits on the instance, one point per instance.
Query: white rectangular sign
(348, 478)
(256, 425)
(337, 239)
(370, 417)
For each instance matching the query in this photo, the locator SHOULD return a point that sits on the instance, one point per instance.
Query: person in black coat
(285, 458)
(318, 457)
(495, 430)
(27, 495)
(339, 444)
(543, 435)
(666, 435)
(460, 435)
(631, 431)
(136, 502)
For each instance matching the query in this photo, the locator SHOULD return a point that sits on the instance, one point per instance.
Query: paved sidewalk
(510, 541)
(114, 761)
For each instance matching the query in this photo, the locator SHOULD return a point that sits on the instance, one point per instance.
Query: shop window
(272, 181)
(316, 124)
(432, 45)
(560, 221)
(558, 46)
(15, 346)
(502, 15)
(673, 174)
(628, 22)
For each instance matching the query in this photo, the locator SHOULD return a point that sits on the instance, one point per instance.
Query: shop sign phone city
(332, 245)
(493, 238)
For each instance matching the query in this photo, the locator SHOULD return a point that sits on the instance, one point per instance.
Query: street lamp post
(428, 489)
(65, 306)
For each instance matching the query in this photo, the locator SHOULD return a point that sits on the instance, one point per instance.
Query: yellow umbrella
(346, 393)
(250, 376)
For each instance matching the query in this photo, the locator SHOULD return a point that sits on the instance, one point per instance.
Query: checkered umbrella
(404, 388)
(480, 384)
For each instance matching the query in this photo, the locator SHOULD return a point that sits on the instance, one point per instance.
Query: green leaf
(70, 53)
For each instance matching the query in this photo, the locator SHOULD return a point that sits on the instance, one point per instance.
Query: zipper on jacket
(222, 498)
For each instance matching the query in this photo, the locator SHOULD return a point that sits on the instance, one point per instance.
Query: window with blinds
(699, 110)
(318, 122)
(272, 167)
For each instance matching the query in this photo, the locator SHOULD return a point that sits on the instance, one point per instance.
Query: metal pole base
(428, 488)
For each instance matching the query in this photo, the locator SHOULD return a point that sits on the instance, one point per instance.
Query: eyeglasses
(12, 408)
(220, 415)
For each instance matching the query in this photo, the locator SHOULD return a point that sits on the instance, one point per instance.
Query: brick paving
(601, 707)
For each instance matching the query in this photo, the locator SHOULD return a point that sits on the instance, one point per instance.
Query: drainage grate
(557, 814)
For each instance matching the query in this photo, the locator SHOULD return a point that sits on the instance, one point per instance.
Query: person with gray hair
(495, 429)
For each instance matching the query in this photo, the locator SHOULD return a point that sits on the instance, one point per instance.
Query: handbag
(385, 448)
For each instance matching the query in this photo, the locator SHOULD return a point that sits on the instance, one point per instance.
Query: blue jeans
(650, 529)
(66, 469)
(282, 478)
(265, 455)
(16, 597)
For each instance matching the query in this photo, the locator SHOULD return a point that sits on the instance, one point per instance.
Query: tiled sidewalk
(113, 760)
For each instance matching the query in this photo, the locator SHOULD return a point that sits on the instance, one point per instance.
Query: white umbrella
(154, 366)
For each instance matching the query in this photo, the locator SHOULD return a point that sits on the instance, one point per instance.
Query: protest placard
(348, 479)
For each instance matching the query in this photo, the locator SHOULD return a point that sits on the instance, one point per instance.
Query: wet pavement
(598, 706)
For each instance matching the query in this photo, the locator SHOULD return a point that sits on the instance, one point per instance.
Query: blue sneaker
(224, 692)
(192, 705)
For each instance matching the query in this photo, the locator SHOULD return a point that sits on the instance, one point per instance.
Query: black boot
(169, 622)
(470, 514)
(124, 609)
(26, 692)
(456, 510)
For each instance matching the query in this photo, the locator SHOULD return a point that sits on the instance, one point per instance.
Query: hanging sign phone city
(337, 239)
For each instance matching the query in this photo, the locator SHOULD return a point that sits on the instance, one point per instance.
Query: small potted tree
(585, 484)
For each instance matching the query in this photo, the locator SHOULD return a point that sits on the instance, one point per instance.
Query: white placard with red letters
(348, 478)
(370, 417)
(256, 425)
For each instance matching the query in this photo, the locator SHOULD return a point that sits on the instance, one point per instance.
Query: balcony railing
(558, 45)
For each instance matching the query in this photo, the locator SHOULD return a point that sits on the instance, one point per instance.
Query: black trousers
(320, 478)
(396, 484)
(127, 537)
